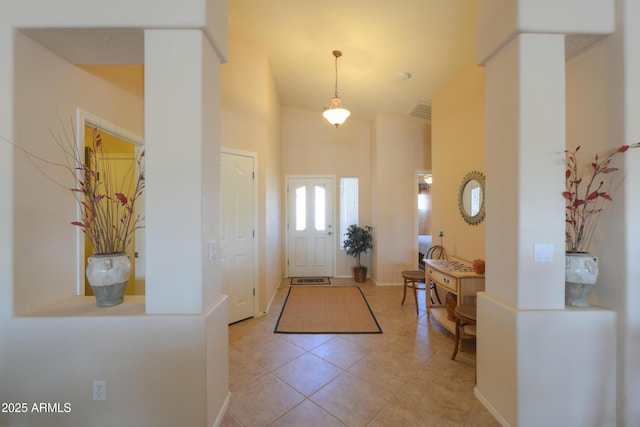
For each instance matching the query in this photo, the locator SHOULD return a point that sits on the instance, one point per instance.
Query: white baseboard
(389, 284)
(268, 308)
(223, 411)
(492, 410)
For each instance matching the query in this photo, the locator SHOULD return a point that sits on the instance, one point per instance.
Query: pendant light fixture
(336, 115)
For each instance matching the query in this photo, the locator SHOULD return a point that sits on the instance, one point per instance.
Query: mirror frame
(479, 217)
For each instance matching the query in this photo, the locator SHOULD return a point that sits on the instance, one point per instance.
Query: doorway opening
(424, 183)
(310, 242)
(123, 147)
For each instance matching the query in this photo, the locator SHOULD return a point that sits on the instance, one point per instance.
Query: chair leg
(415, 295)
(433, 287)
(404, 295)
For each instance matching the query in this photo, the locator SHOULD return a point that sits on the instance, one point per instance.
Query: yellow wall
(117, 147)
(458, 135)
(131, 79)
(127, 77)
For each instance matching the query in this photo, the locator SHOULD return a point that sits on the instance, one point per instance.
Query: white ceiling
(92, 45)
(431, 39)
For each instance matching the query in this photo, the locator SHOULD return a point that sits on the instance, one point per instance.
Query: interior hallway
(402, 377)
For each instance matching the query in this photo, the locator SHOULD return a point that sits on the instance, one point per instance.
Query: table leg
(455, 348)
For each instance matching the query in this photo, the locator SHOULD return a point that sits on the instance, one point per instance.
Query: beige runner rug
(326, 310)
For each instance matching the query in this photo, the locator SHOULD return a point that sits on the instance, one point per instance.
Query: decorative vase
(581, 273)
(108, 276)
(360, 274)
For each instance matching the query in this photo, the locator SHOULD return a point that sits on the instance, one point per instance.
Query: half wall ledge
(85, 306)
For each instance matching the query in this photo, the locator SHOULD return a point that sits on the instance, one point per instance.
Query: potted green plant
(359, 240)
(585, 198)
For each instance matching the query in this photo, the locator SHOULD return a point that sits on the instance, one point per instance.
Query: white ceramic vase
(581, 274)
(108, 276)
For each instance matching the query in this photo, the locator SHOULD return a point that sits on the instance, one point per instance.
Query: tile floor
(402, 377)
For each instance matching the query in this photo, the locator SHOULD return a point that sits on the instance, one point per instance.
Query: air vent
(422, 110)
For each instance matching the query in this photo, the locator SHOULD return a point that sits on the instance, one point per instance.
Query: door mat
(326, 310)
(310, 281)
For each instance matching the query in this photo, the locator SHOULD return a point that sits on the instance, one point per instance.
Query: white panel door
(237, 237)
(310, 226)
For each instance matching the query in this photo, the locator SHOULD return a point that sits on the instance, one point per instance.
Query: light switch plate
(213, 250)
(543, 252)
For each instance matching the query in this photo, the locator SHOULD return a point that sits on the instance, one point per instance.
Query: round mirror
(471, 198)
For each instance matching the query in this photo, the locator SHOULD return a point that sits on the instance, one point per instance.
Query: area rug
(310, 281)
(326, 310)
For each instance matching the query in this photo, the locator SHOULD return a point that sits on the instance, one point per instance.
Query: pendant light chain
(336, 114)
(336, 75)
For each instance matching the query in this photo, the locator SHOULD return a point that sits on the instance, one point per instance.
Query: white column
(532, 353)
(525, 121)
(182, 166)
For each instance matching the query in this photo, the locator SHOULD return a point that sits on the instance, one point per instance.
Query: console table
(453, 275)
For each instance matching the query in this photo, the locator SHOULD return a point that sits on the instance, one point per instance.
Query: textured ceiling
(433, 40)
(91, 45)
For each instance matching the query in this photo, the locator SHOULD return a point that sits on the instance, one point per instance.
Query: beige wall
(385, 156)
(427, 147)
(45, 100)
(458, 135)
(250, 121)
(310, 145)
(51, 353)
(597, 120)
(399, 154)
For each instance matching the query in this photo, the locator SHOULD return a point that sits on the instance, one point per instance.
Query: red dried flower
(582, 211)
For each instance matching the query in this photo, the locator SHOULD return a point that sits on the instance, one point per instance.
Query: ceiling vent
(422, 110)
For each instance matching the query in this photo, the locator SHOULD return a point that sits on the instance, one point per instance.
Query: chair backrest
(436, 252)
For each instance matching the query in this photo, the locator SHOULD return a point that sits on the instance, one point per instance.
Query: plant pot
(108, 276)
(581, 274)
(360, 274)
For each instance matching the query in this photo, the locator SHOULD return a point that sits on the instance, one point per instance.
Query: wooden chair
(435, 252)
(465, 316)
(413, 279)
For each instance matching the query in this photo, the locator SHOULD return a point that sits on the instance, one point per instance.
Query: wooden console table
(453, 275)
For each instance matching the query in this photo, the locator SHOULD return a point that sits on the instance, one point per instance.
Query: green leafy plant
(359, 240)
(586, 196)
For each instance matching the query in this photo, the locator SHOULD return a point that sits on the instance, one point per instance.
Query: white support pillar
(182, 149)
(536, 360)
(525, 171)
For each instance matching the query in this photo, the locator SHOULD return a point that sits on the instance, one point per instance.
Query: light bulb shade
(336, 115)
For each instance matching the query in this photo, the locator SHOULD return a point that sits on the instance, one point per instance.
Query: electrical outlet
(99, 390)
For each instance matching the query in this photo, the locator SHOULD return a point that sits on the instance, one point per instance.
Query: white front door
(310, 231)
(237, 234)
